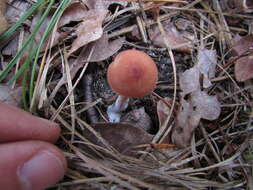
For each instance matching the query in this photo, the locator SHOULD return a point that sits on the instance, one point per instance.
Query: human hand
(27, 159)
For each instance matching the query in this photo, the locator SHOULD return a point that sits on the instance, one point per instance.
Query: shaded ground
(187, 149)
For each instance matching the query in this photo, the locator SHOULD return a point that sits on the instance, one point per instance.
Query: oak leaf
(90, 29)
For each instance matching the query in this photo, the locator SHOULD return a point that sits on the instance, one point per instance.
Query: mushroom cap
(133, 73)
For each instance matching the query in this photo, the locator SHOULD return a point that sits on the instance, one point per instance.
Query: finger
(17, 125)
(30, 165)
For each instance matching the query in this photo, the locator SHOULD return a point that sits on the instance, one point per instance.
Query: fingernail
(41, 171)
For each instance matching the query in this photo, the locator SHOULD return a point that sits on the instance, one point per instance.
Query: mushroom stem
(114, 110)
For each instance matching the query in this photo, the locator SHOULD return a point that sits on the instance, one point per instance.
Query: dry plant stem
(209, 143)
(141, 25)
(82, 181)
(245, 5)
(114, 110)
(74, 86)
(71, 96)
(169, 1)
(234, 82)
(40, 87)
(118, 177)
(20, 42)
(74, 68)
(108, 149)
(223, 24)
(41, 78)
(205, 11)
(3, 21)
(133, 27)
(165, 129)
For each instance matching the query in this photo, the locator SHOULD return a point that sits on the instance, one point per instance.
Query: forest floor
(194, 131)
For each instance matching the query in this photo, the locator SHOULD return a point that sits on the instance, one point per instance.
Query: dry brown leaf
(103, 49)
(206, 106)
(11, 47)
(10, 95)
(173, 37)
(195, 104)
(207, 61)
(3, 21)
(122, 3)
(237, 5)
(188, 117)
(123, 137)
(102, 4)
(42, 29)
(189, 80)
(244, 63)
(90, 29)
(206, 65)
(244, 69)
(183, 24)
(2, 5)
(95, 4)
(138, 118)
(163, 110)
(13, 13)
(200, 105)
(186, 121)
(75, 12)
(16, 10)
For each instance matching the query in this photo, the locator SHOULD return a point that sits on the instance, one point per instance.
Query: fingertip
(34, 174)
(18, 125)
(30, 165)
(53, 130)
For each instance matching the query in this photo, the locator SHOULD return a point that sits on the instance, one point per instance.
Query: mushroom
(133, 73)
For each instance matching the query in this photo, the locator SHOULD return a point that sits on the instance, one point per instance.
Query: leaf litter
(196, 103)
(107, 49)
(190, 155)
(89, 30)
(123, 137)
(76, 11)
(244, 62)
(163, 111)
(181, 41)
(10, 95)
(3, 21)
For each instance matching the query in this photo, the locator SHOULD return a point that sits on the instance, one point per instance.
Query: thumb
(30, 165)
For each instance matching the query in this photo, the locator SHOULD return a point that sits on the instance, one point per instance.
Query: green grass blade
(22, 19)
(26, 44)
(47, 32)
(24, 87)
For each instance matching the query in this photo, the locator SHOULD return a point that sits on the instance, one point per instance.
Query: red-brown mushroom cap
(133, 73)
